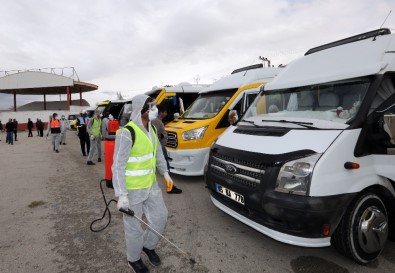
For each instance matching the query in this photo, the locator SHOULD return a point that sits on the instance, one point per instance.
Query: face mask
(153, 113)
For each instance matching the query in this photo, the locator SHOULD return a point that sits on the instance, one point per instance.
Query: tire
(363, 230)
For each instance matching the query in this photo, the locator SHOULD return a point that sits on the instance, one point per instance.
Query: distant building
(52, 105)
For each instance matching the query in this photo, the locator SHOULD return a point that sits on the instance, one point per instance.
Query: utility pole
(197, 79)
(264, 60)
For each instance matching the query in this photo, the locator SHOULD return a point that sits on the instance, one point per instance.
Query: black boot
(138, 266)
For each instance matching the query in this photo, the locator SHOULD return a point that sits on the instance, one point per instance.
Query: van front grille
(242, 172)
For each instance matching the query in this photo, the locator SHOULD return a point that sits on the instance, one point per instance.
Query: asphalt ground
(48, 201)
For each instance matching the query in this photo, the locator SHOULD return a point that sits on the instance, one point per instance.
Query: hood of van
(186, 124)
(293, 140)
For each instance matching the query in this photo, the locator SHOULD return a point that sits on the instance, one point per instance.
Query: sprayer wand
(132, 214)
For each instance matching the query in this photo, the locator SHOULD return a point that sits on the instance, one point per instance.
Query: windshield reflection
(335, 102)
(208, 105)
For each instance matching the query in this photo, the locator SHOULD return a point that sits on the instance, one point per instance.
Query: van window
(378, 134)
(101, 108)
(249, 100)
(386, 89)
(125, 114)
(335, 101)
(113, 108)
(172, 104)
(208, 105)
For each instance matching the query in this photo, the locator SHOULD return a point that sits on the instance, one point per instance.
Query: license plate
(230, 194)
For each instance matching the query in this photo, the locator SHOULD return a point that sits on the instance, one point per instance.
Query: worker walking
(54, 129)
(137, 155)
(64, 126)
(94, 130)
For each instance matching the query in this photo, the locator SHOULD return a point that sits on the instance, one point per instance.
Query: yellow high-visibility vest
(141, 165)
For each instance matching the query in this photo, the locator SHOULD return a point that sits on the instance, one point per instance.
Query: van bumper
(189, 162)
(296, 220)
(276, 235)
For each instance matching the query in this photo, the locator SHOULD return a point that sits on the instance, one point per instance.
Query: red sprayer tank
(109, 144)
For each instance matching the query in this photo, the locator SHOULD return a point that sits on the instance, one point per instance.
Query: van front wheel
(363, 231)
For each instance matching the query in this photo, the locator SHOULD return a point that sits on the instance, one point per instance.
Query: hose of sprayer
(105, 211)
(131, 213)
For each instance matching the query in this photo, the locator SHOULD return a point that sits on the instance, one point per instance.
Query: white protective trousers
(55, 141)
(63, 137)
(150, 203)
(95, 146)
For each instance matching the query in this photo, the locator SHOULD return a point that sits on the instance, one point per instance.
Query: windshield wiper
(303, 124)
(250, 122)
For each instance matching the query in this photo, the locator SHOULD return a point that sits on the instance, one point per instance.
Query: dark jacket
(30, 124)
(10, 126)
(40, 125)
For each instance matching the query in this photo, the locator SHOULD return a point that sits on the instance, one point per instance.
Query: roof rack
(359, 37)
(247, 68)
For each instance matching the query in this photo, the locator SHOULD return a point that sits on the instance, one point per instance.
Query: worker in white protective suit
(64, 126)
(137, 154)
(94, 131)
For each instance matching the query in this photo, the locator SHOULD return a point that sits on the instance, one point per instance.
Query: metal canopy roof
(39, 83)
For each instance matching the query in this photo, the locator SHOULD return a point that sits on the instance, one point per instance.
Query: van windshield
(328, 103)
(125, 114)
(101, 108)
(208, 105)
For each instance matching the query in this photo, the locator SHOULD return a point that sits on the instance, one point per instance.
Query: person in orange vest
(54, 128)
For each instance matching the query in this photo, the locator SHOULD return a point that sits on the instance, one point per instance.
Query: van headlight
(194, 134)
(295, 176)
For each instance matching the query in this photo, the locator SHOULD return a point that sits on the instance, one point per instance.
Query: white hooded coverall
(148, 201)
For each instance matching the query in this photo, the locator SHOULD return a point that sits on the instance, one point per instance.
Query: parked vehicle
(191, 136)
(112, 107)
(72, 118)
(174, 98)
(89, 111)
(312, 160)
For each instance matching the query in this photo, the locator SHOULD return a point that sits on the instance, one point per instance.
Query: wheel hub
(372, 230)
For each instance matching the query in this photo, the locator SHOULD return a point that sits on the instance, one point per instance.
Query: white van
(318, 166)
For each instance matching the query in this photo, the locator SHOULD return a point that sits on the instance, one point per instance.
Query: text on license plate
(230, 194)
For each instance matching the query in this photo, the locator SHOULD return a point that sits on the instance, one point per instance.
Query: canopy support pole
(14, 101)
(68, 98)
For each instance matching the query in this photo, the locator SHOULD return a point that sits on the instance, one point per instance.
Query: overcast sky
(131, 46)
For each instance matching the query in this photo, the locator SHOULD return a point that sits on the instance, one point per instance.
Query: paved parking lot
(48, 200)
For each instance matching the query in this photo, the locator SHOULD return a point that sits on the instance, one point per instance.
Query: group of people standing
(11, 128)
(39, 127)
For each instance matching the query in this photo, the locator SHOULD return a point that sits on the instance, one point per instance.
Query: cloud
(130, 46)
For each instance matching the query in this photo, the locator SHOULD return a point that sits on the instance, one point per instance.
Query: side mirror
(233, 117)
(176, 115)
